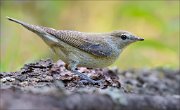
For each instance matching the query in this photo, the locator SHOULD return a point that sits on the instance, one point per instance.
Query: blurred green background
(156, 21)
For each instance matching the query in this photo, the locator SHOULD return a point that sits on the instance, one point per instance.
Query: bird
(83, 49)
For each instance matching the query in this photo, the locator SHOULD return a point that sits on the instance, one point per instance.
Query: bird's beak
(138, 38)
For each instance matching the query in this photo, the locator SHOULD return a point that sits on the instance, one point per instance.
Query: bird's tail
(39, 30)
(16, 21)
(33, 28)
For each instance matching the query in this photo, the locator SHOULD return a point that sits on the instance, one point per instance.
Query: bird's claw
(86, 79)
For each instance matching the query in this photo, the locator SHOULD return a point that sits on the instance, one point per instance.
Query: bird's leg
(72, 67)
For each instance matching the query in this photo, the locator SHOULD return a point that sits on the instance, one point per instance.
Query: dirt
(45, 73)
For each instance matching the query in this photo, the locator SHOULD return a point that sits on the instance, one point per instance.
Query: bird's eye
(123, 37)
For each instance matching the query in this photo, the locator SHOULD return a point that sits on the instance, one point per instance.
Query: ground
(45, 78)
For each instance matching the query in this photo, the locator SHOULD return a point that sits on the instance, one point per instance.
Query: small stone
(128, 75)
(44, 75)
(83, 70)
(7, 79)
(48, 78)
(60, 63)
(24, 83)
(3, 80)
(35, 79)
(11, 79)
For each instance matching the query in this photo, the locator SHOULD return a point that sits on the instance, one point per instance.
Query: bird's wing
(73, 38)
(99, 49)
(83, 42)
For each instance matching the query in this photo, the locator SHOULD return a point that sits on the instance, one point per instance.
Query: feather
(83, 42)
(76, 39)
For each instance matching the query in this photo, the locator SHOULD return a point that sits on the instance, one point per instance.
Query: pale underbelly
(84, 59)
(96, 63)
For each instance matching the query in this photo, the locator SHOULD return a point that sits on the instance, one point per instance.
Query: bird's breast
(68, 53)
(91, 61)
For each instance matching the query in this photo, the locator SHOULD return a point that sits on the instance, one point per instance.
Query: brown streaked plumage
(93, 50)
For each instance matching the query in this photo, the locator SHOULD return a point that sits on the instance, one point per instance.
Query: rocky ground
(50, 79)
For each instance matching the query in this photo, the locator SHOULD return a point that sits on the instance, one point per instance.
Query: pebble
(24, 83)
(48, 78)
(3, 80)
(7, 79)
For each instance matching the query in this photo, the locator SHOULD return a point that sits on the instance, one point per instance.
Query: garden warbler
(92, 50)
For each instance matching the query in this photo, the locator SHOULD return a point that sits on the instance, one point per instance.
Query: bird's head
(124, 38)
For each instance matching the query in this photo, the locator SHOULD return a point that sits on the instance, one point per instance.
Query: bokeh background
(156, 21)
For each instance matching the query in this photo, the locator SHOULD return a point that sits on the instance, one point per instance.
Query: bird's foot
(86, 79)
